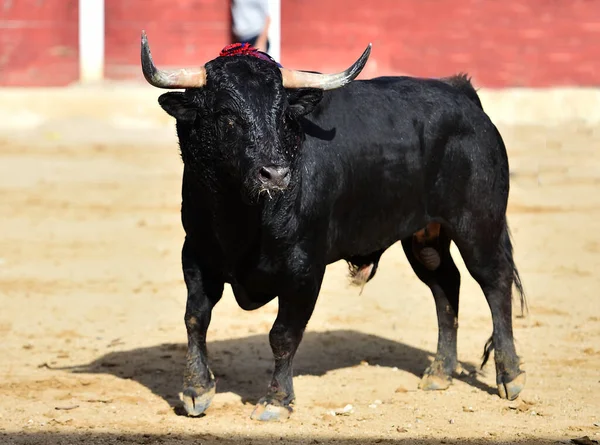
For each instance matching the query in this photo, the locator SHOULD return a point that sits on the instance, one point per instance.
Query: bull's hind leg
(438, 271)
(488, 257)
(204, 291)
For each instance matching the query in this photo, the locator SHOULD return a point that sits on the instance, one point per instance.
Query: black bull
(285, 172)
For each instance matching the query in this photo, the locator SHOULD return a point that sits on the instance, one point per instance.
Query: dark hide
(370, 164)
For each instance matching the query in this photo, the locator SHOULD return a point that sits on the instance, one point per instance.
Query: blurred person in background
(251, 22)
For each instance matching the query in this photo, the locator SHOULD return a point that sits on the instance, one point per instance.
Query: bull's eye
(228, 125)
(227, 119)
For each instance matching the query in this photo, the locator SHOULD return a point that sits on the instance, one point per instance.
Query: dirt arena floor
(92, 303)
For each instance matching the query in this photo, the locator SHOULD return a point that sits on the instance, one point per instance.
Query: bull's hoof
(434, 382)
(436, 377)
(512, 389)
(197, 400)
(266, 411)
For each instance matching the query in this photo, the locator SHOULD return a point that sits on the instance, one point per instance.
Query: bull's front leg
(295, 309)
(204, 291)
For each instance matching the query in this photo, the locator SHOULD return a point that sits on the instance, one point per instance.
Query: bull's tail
(462, 82)
(507, 251)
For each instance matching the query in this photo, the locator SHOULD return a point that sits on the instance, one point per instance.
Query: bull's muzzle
(274, 177)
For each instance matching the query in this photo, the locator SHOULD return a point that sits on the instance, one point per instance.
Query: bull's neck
(236, 223)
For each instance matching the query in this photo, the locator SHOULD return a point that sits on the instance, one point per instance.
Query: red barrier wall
(38, 42)
(499, 42)
(180, 32)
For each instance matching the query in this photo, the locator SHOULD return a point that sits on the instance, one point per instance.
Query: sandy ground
(92, 302)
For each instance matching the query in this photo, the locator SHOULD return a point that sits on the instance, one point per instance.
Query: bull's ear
(178, 105)
(302, 101)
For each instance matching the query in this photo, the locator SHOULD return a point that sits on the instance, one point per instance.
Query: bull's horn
(182, 78)
(303, 79)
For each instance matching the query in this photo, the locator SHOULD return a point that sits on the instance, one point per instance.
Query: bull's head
(238, 116)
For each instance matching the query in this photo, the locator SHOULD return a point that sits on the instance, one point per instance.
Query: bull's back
(392, 143)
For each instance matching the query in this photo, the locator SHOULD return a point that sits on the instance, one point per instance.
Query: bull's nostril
(265, 174)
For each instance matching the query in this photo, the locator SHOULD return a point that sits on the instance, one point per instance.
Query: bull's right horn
(182, 78)
(303, 79)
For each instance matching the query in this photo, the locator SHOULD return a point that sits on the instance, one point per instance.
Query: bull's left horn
(303, 79)
(182, 78)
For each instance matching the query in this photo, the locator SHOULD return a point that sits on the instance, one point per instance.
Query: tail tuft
(487, 350)
(508, 252)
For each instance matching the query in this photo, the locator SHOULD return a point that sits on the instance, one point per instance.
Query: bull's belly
(363, 236)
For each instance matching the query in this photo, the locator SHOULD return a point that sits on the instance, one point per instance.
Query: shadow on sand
(243, 365)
